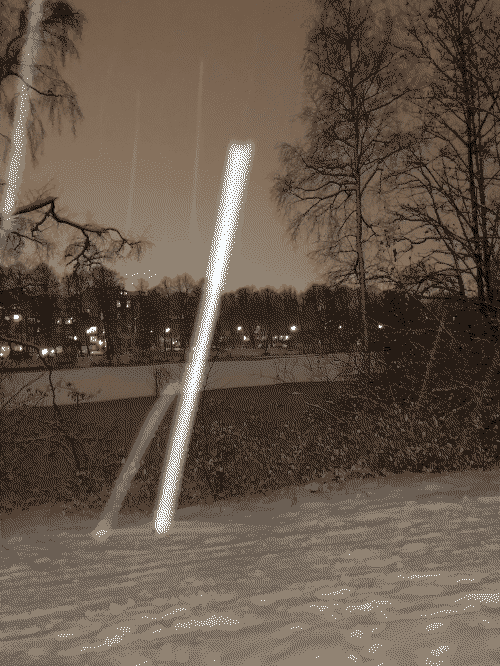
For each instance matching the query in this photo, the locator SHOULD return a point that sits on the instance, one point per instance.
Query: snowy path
(400, 571)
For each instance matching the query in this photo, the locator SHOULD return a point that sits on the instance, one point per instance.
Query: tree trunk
(423, 390)
(365, 363)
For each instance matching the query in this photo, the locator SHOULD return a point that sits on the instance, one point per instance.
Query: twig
(322, 408)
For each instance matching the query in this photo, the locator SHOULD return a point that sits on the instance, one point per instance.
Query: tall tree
(267, 309)
(447, 181)
(141, 315)
(248, 314)
(108, 287)
(353, 78)
(74, 287)
(60, 25)
(290, 310)
(183, 287)
(192, 306)
(47, 302)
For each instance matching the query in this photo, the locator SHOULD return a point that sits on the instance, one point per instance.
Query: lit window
(128, 304)
(118, 304)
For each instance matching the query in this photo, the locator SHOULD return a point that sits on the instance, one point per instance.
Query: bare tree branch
(96, 245)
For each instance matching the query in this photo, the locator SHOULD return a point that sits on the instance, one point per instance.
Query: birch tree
(447, 183)
(354, 77)
(444, 195)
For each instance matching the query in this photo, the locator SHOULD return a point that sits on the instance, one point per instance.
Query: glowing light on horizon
(17, 151)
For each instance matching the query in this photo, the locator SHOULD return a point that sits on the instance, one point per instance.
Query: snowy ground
(399, 571)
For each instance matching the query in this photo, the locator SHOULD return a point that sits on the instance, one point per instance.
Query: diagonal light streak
(131, 466)
(238, 165)
(128, 222)
(17, 151)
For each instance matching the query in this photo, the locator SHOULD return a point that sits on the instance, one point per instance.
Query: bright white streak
(151, 424)
(238, 165)
(134, 163)
(17, 151)
(194, 224)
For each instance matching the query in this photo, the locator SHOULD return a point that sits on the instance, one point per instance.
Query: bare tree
(448, 180)
(60, 25)
(91, 245)
(444, 194)
(353, 81)
(108, 286)
(32, 223)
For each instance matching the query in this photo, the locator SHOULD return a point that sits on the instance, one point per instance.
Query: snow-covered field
(108, 383)
(398, 571)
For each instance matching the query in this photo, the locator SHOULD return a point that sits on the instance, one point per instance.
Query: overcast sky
(138, 83)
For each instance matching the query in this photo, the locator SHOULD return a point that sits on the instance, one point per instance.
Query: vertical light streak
(194, 229)
(134, 164)
(238, 165)
(17, 152)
